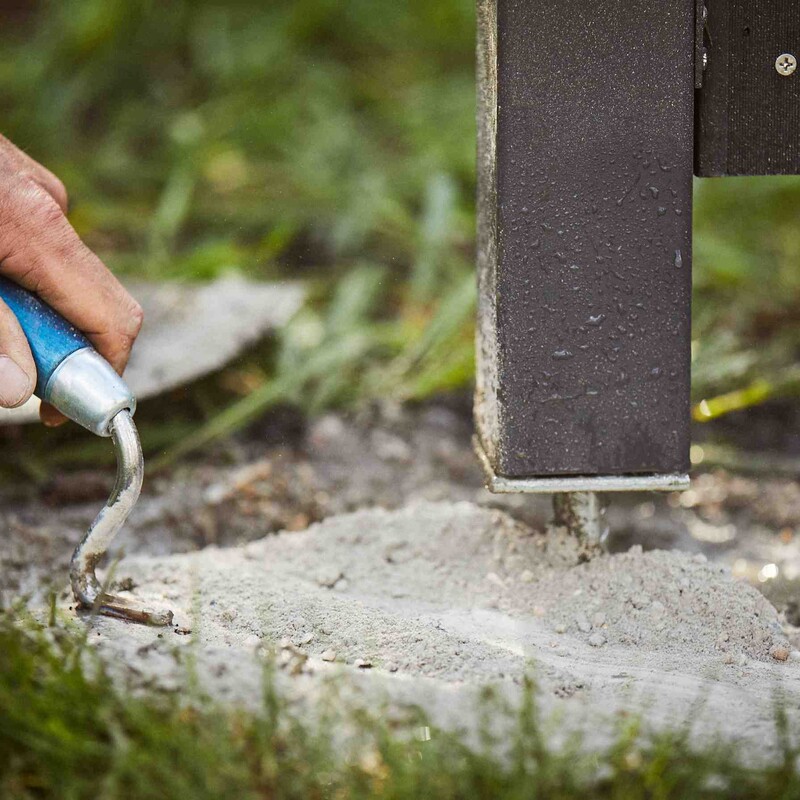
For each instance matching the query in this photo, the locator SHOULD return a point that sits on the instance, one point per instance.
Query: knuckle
(35, 224)
(13, 210)
(29, 217)
(43, 189)
(30, 205)
(43, 207)
(59, 192)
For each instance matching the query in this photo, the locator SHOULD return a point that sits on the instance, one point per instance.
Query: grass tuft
(68, 732)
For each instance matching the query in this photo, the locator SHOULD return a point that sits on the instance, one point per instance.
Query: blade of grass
(282, 388)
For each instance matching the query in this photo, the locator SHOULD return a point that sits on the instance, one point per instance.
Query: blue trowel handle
(50, 336)
(69, 373)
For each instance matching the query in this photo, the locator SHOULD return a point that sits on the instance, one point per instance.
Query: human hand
(40, 250)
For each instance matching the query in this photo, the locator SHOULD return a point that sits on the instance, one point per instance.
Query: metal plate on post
(677, 482)
(585, 139)
(748, 109)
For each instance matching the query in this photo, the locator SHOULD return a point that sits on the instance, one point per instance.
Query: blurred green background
(334, 142)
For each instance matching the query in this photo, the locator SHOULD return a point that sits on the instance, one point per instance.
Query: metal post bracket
(498, 484)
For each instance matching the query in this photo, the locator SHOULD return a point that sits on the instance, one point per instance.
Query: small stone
(361, 663)
(561, 628)
(728, 658)
(329, 655)
(284, 657)
(292, 659)
(699, 558)
(599, 619)
(306, 639)
(597, 639)
(584, 626)
(526, 576)
(398, 553)
(392, 667)
(780, 652)
(326, 430)
(252, 641)
(342, 585)
(640, 601)
(494, 578)
(327, 577)
(389, 447)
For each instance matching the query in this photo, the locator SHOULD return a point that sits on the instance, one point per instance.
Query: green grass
(67, 732)
(746, 292)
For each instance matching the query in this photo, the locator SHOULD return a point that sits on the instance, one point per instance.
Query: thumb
(17, 370)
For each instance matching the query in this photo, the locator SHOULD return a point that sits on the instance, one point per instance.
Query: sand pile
(405, 566)
(438, 597)
(665, 601)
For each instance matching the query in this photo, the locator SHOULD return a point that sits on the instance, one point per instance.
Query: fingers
(17, 370)
(27, 168)
(16, 167)
(40, 250)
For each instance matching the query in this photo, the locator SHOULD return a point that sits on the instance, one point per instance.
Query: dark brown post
(586, 124)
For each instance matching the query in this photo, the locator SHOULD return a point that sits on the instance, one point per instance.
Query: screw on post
(786, 64)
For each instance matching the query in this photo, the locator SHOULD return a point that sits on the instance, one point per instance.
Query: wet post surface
(584, 243)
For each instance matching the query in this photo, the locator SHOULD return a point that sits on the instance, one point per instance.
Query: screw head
(785, 64)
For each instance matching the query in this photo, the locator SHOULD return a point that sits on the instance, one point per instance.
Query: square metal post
(585, 152)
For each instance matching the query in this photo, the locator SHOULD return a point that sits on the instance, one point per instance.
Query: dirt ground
(286, 473)
(454, 590)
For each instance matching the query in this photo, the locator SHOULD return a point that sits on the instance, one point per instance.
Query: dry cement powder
(434, 601)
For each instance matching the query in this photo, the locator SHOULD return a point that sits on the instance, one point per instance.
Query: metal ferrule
(85, 388)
